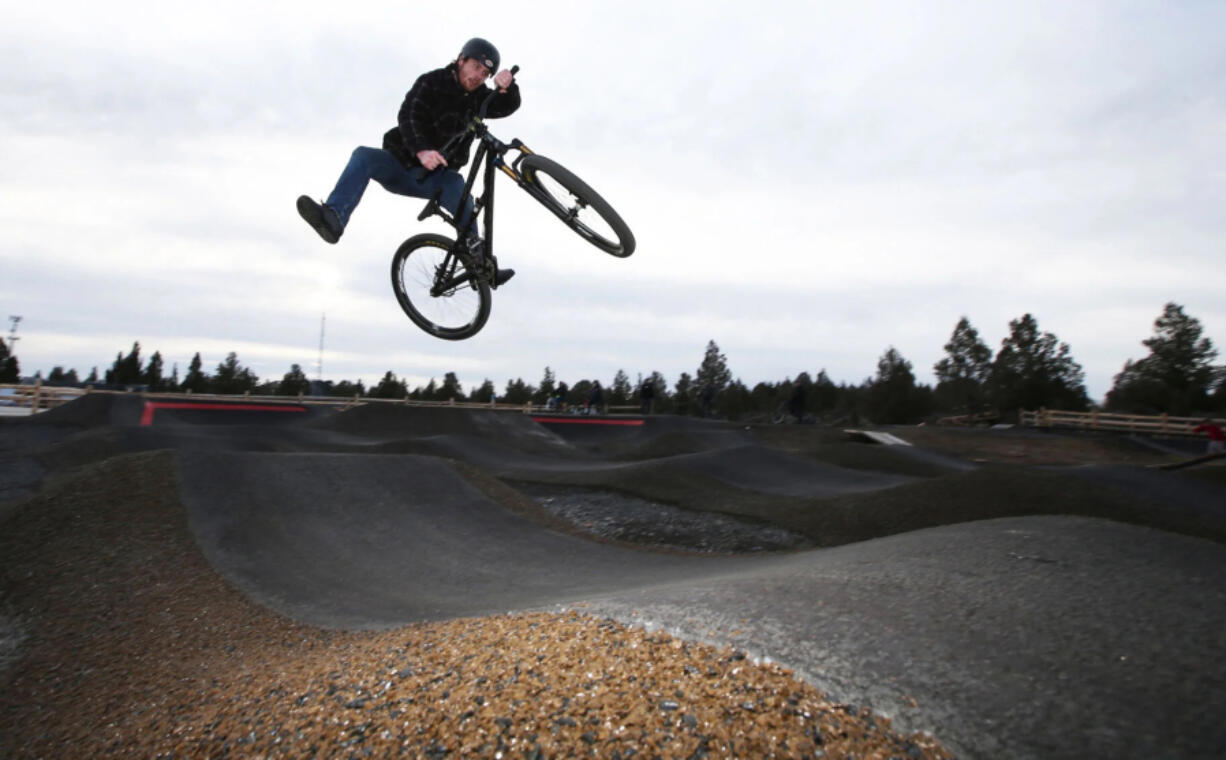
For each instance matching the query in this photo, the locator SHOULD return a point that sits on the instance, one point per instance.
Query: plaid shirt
(435, 110)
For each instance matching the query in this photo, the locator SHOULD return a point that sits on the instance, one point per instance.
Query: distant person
(1217, 438)
(411, 161)
(595, 400)
(646, 393)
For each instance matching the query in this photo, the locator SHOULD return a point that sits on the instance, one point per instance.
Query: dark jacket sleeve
(504, 103)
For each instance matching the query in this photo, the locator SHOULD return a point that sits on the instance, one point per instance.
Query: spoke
(456, 306)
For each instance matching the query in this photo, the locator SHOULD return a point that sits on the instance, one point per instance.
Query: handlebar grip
(514, 70)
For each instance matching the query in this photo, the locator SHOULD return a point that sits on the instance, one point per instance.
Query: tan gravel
(123, 641)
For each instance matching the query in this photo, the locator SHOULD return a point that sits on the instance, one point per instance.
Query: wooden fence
(28, 399)
(1163, 424)
(36, 397)
(39, 398)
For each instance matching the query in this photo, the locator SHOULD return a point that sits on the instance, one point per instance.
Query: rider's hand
(503, 79)
(431, 159)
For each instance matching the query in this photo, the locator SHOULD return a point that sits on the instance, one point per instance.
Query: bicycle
(439, 282)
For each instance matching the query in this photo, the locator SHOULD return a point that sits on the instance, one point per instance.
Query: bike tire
(463, 307)
(567, 196)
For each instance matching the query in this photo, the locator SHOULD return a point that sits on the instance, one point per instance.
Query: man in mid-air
(413, 161)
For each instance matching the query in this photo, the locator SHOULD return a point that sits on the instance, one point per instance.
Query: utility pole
(13, 334)
(319, 368)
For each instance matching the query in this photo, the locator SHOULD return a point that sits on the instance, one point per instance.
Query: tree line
(1031, 369)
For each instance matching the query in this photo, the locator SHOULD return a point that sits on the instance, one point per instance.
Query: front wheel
(438, 288)
(576, 204)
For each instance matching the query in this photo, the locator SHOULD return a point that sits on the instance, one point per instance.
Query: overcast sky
(810, 183)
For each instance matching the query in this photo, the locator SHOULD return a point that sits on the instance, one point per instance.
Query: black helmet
(483, 51)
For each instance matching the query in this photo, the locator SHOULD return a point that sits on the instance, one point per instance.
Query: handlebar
(472, 125)
(486, 103)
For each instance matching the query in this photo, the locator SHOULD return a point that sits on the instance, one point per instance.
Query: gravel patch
(135, 647)
(629, 519)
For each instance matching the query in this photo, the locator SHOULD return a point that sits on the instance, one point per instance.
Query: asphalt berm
(393, 580)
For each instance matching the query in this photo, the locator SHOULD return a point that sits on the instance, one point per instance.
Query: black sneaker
(502, 276)
(321, 218)
(495, 275)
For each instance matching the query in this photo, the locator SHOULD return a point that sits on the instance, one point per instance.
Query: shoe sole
(312, 213)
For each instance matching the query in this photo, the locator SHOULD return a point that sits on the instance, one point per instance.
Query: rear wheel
(438, 289)
(576, 204)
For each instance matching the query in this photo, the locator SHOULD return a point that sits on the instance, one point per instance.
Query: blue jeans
(373, 163)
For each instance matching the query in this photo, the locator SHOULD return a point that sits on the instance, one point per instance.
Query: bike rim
(585, 219)
(454, 309)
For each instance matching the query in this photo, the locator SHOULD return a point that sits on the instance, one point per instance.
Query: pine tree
(805, 382)
(389, 387)
(766, 397)
(10, 369)
(483, 394)
(659, 384)
(893, 397)
(152, 376)
(620, 390)
(348, 389)
(735, 401)
(661, 400)
(577, 394)
(1178, 374)
(1033, 370)
(713, 372)
(547, 388)
(293, 382)
(196, 381)
(825, 394)
(964, 370)
(451, 388)
(127, 369)
(517, 392)
(232, 377)
(684, 401)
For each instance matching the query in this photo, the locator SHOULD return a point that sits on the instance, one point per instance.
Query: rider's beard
(470, 83)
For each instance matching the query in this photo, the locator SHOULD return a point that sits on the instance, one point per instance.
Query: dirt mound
(769, 471)
(636, 438)
(1000, 491)
(1030, 446)
(673, 442)
(126, 642)
(376, 540)
(390, 422)
(835, 447)
(89, 410)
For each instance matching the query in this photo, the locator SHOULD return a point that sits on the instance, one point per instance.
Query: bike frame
(489, 158)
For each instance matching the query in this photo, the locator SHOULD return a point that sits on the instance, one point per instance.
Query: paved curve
(1026, 637)
(1021, 637)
